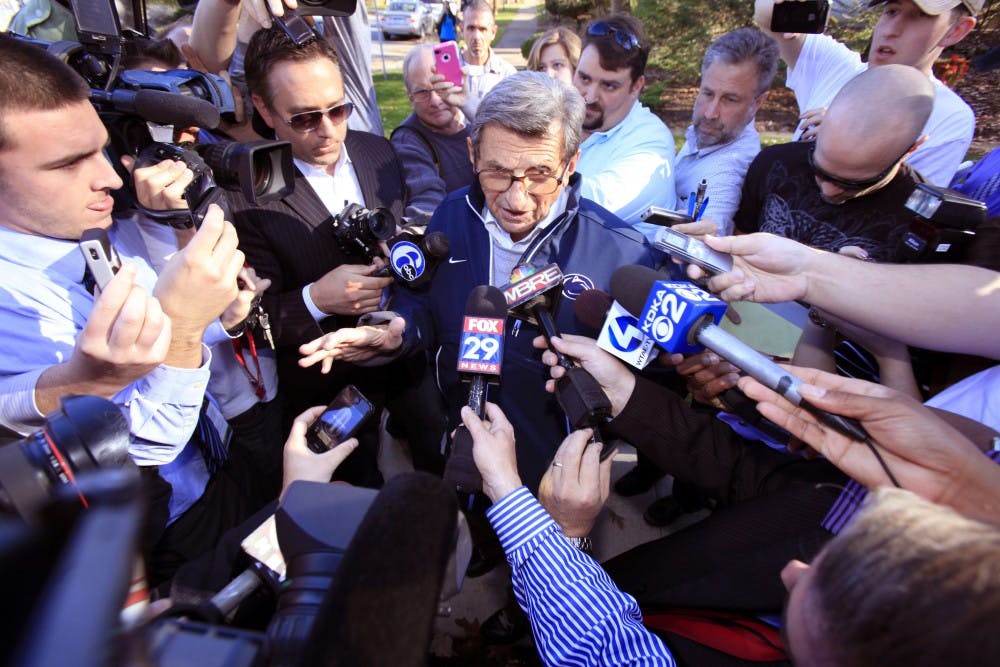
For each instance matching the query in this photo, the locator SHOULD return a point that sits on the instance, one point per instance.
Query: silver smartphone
(693, 251)
(102, 259)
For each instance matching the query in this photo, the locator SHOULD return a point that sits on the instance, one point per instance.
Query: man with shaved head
(850, 186)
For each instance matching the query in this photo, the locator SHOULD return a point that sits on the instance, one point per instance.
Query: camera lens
(382, 224)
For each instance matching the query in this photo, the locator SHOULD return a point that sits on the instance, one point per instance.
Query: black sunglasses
(625, 39)
(846, 184)
(307, 121)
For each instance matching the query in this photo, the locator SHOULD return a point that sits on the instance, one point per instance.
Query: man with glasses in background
(316, 286)
(432, 143)
(627, 154)
(849, 187)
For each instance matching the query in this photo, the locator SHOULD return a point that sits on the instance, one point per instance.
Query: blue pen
(701, 209)
(691, 203)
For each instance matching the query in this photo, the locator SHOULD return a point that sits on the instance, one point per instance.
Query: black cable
(881, 461)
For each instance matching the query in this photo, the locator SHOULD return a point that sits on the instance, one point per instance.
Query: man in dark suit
(316, 285)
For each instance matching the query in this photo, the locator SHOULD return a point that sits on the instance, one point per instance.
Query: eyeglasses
(307, 121)
(421, 95)
(534, 182)
(854, 186)
(625, 39)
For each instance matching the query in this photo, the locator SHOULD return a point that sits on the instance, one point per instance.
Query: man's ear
(958, 32)
(571, 165)
(263, 110)
(759, 102)
(472, 151)
(637, 86)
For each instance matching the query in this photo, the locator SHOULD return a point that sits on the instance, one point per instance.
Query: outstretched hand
(493, 450)
(353, 344)
(576, 485)
(924, 453)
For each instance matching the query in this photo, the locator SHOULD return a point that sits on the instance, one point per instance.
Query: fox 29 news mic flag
(480, 358)
(619, 332)
(683, 318)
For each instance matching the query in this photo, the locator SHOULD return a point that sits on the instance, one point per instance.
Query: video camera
(129, 101)
(944, 225)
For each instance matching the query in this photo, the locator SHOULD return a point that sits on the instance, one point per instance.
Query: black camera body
(359, 230)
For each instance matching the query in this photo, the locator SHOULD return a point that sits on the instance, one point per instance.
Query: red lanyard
(257, 382)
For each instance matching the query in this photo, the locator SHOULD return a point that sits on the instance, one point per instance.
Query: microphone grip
(773, 376)
(550, 331)
(477, 395)
(461, 472)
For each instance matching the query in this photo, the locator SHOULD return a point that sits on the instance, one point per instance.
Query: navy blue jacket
(588, 244)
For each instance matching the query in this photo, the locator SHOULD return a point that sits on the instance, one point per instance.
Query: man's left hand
(577, 484)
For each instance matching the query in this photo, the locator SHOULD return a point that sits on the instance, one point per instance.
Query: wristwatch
(584, 544)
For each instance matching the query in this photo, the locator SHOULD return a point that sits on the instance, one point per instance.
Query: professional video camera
(129, 101)
(944, 226)
(85, 433)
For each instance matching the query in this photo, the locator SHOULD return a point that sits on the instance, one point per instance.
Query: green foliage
(680, 31)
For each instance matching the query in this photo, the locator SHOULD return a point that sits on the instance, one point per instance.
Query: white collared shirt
(507, 251)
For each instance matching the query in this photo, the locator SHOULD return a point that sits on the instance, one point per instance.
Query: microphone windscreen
(591, 307)
(630, 286)
(381, 607)
(171, 109)
(486, 301)
(437, 245)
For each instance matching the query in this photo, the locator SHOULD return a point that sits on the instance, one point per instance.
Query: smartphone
(693, 251)
(447, 63)
(100, 257)
(663, 216)
(347, 412)
(805, 16)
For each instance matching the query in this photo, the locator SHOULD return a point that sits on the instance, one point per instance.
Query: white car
(408, 18)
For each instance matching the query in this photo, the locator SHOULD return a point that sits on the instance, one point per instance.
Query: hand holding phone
(347, 412)
(447, 63)
(693, 251)
(100, 256)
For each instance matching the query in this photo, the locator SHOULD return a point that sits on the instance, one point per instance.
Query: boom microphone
(682, 318)
(158, 106)
(480, 358)
(619, 332)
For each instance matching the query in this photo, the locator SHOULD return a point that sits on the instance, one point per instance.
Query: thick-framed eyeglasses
(625, 39)
(534, 182)
(853, 186)
(307, 121)
(422, 95)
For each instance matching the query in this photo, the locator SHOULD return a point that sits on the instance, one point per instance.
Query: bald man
(850, 186)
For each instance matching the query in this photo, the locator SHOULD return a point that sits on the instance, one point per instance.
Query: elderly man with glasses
(432, 143)
(317, 286)
(627, 155)
(850, 187)
(523, 212)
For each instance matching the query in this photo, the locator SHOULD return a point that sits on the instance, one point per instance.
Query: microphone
(414, 258)
(480, 357)
(683, 318)
(158, 106)
(533, 298)
(619, 332)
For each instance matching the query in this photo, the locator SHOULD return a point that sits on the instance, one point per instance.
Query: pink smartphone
(447, 63)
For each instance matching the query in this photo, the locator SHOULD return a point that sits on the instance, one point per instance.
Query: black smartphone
(802, 16)
(692, 250)
(347, 412)
(101, 258)
(655, 215)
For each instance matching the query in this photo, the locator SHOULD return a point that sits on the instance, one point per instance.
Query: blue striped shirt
(578, 616)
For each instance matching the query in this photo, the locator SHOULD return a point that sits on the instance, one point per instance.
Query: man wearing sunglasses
(850, 186)
(908, 32)
(627, 155)
(299, 94)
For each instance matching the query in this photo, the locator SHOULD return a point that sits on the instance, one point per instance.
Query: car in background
(406, 18)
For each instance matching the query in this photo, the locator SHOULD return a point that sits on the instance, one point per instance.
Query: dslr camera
(359, 230)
